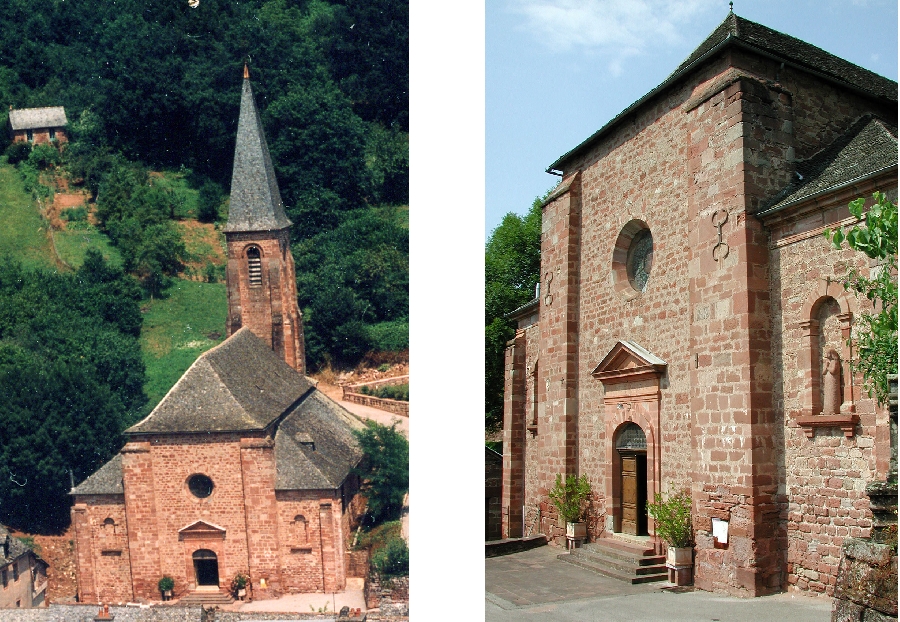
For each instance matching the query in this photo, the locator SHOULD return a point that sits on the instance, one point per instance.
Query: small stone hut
(38, 125)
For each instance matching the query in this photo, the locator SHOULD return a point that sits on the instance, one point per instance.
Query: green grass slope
(178, 329)
(23, 234)
(73, 243)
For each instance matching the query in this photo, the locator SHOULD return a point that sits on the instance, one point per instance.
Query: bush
(673, 519)
(385, 470)
(570, 497)
(165, 584)
(389, 336)
(75, 214)
(18, 152)
(393, 559)
(44, 156)
(209, 199)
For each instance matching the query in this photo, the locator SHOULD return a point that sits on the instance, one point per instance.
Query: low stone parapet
(351, 394)
(391, 406)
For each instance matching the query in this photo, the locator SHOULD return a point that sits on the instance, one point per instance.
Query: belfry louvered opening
(254, 266)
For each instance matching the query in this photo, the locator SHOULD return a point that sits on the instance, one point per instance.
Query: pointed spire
(255, 200)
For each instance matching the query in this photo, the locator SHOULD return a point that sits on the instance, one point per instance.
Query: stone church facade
(243, 467)
(687, 302)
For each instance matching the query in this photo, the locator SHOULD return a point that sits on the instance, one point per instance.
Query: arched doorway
(206, 568)
(631, 447)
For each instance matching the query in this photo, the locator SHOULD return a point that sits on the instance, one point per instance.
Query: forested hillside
(151, 89)
(157, 82)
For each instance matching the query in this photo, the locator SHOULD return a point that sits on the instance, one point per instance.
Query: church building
(690, 331)
(243, 467)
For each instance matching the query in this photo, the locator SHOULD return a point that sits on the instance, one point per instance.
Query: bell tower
(262, 287)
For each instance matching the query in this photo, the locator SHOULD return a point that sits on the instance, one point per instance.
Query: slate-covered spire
(255, 200)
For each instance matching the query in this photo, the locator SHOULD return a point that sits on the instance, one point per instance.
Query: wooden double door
(634, 492)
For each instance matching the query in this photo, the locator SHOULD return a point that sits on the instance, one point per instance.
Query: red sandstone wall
(824, 476)
(303, 547)
(513, 497)
(720, 143)
(639, 175)
(261, 515)
(557, 427)
(40, 136)
(821, 111)
(102, 556)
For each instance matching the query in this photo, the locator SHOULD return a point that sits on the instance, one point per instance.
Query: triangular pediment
(202, 527)
(627, 362)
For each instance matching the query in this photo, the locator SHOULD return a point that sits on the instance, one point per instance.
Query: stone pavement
(534, 585)
(308, 603)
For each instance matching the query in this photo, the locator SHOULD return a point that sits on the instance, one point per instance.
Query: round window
(640, 259)
(200, 486)
(632, 259)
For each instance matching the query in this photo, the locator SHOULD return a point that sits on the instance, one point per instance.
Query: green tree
(875, 334)
(71, 377)
(385, 470)
(512, 265)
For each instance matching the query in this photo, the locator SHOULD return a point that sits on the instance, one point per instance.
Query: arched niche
(826, 324)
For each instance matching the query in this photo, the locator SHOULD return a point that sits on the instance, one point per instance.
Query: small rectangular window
(52, 133)
(29, 135)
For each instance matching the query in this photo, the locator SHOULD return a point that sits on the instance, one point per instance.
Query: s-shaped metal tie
(718, 223)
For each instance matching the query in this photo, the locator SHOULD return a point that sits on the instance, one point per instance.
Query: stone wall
(295, 540)
(270, 308)
(392, 406)
(101, 549)
(40, 136)
(867, 583)
(732, 305)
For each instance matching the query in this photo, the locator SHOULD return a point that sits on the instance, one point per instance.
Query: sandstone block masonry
(697, 353)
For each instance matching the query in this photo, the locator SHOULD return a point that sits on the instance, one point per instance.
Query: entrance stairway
(206, 597)
(625, 560)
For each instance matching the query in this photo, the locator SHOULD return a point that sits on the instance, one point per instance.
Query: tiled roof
(240, 385)
(107, 480)
(255, 200)
(742, 32)
(869, 146)
(35, 118)
(243, 383)
(314, 445)
(793, 49)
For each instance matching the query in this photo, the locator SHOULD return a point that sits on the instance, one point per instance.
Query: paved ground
(534, 585)
(306, 603)
(366, 412)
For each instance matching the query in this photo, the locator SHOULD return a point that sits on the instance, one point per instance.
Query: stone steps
(206, 598)
(625, 561)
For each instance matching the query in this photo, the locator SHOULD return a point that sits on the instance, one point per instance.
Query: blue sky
(558, 70)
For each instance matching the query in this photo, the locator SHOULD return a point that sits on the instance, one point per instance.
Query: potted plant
(673, 526)
(239, 585)
(166, 585)
(570, 498)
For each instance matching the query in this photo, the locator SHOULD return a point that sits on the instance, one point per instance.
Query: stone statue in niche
(831, 383)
